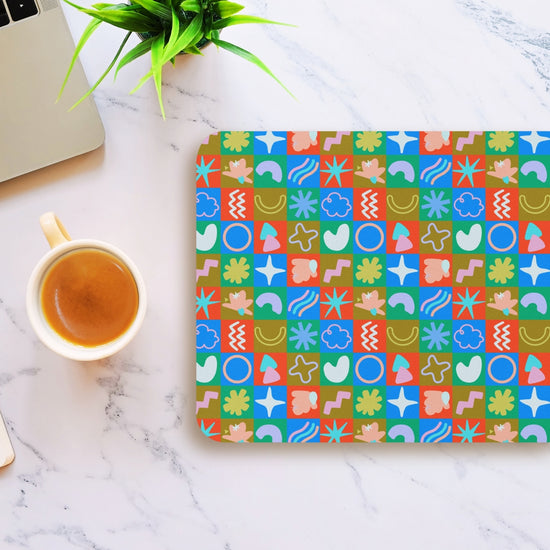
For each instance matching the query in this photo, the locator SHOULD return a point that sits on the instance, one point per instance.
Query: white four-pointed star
(269, 138)
(269, 270)
(402, 139)
(534, 270)
(402, 402)
(534, 139)
(402, 270)
(269, 402)
(534, 402)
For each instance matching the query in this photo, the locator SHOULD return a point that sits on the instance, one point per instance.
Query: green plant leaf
(139, 50)
(185, 38)
(225, 9)
(242, 19)
(126, 19)
(88, 31)
(245, 54)
(156, 8)
(156, 66)
(191, 5)
(100, 79)
(174, 33)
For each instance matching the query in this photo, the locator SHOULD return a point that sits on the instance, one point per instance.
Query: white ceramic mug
(61, 244)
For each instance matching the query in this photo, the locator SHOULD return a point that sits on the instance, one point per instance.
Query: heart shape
(470, 373)
(471, 240)
(207, 240)
(337, 373)
(206, 372)
(339, 240)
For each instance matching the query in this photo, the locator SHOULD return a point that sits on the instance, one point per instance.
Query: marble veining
(108, 455)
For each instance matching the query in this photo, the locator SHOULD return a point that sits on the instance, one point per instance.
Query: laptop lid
(35, 51)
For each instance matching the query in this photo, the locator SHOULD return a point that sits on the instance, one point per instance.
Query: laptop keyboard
(17, 9)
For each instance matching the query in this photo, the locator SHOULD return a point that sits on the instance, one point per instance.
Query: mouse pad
(373, 287)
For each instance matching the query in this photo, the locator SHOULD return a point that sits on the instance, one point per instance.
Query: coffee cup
(86, 299)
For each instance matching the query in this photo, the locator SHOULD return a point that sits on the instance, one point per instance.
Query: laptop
(36, 48)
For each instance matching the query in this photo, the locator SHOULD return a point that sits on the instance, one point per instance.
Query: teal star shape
(204, 170)
(335, 302)
(207, 431)
(467, 434)
(467, 302)
(336, 433)
(467, 170)
(335, 170)
(204, 301)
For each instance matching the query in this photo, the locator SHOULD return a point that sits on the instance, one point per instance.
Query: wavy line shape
(435, 303)
(310, 173)
(336, 140)
(469, 404)
(272, 167)
(537, 299)
(501, 202)
(270, 210)
(298, 431)
(430, 300)
(406, 432)
(272, 299)
(337, 271)
(237, 197)
(337, 403)
(281, 335)
(535, 166)
(461, 273)
(536, 431)
(469, 140)
(534, 341)
(369, 210)
(208, 264)
(298, 168)
(402, 298)
(306, 307)
(402, 210)
(435, 165)
(407, 341)
(437, 434)
(309, 297)
(208, 396)
(502, 342)
(403, 166)
(534, 210)
(441, 306)
(440, 175)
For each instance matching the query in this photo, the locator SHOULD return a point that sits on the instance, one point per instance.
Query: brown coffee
(89, 297)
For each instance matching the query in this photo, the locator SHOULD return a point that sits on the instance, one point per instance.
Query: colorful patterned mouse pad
(373, 287)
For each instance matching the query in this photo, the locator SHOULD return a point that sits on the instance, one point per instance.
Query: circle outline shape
(490, 372)
(369, 224)
(508, 226)
(374, 380)
(248, 364)
(224, 237)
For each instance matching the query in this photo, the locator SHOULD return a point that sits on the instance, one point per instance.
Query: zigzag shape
(461, 273)
(502, 343)
(461, 141)
(369, 336)
(208, 263)
(237, 342)
(208, 395)
(239, 206)
(337, 403)
(473, 395)
(501, 210)
(369, 209)
(336, 140)
(337, 271)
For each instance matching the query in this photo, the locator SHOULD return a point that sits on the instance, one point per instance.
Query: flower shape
(501, 272)
(369, 270)
(501, 403)
(303, 140)
(371, 171)
(239, 171)
(503, 302)
(501, 141)
(369, 402)
(236, 403)
(503, 433)
(504, 170)
(370, 433)
(236, 141)
(368, 141)
(239, 303)
(238, 433)
(236, 272)
(433, 141)
(371, 302)
(303, 401)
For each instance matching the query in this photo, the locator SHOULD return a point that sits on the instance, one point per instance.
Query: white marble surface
(108, 455)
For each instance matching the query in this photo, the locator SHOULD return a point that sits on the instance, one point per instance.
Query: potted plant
(166, 28)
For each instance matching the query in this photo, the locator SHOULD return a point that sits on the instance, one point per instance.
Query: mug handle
(53, 229)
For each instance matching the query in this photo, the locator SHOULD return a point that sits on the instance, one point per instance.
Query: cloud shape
(336, 337)
(206, 338)
(468, 205)
(335, 205)
(207, 206)
(468, 337)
